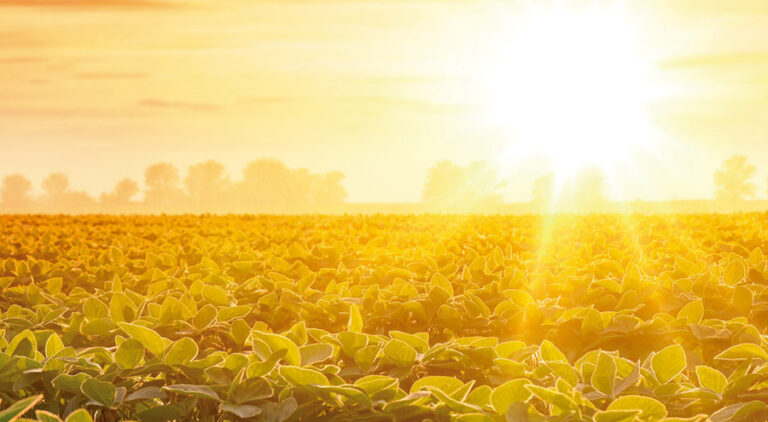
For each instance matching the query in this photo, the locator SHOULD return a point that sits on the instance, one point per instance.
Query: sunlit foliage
(384, 318)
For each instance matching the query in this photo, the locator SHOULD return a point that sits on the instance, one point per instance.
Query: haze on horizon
(378, 89)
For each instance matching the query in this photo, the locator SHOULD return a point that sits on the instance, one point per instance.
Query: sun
(571, 85)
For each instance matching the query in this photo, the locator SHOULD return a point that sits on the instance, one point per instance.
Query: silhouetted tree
(328, 190)
(16, 192)
(732, 180)
(121, 196)
(449, 184)
(207, 184)
(163, 191)
(266, 183)
(55, 186)
(442, 181)
(57, 197)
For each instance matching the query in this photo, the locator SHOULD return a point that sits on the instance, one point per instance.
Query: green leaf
(22, 344)
(241, 410)
(668, 363)
(252, 389)
(514, 391)
(453, 404)
(160, 414)
(616, 415)
(735, 272)
(445, 384)
(650, 409)
(46, 416)
(121, 308)
(373, 384)
(316, 352)
(604, 375)
(232, 312)
(418, 343)
(146, 336)
(100, 391)
(258, 369)
(400, 353)
(352, 342)
(277, 342)
(215, 294)
(692, 312)
(550, 352)
(201, 391)
(173, 310)
(592, 322)
(353, 393)
(300, 377)
(743, 351)
(19, 408)
(146, 393)
(738, 412)
(181, 352)
(711, 378)
(554, 398)
(129, 354)
(79, 415)
(70, 383)
(439, 281)
(53, 345)
(355, 324)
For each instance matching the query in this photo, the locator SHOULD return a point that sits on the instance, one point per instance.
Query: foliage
(446, 318)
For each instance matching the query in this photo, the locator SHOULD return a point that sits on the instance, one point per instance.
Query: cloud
(23, 60)
(179, 105)
(111, 75)
(92, 3)
(410, 103)
(203, 106)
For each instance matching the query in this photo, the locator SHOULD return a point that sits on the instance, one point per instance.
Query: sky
(379, 89)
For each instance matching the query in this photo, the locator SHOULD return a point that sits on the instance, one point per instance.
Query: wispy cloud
(179, 105)
(111, 75)
(23, 60)
(92, 3)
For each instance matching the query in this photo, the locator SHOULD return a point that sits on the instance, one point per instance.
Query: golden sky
(379, 89)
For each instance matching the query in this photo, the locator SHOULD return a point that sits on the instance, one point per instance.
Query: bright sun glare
(572, 86)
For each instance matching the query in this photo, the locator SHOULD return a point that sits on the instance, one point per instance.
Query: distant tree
(442, 181)
(544, 189)
(122, 195)
(207, 184)
(15, 193)
(266, 184)
(163, 191)
(732, 180)
(328, 190)
(55, 186)
(465, 186)
(126, 189)
(58, 197)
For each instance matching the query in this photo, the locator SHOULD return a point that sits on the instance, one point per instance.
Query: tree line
(267, 185)
(479, 186)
